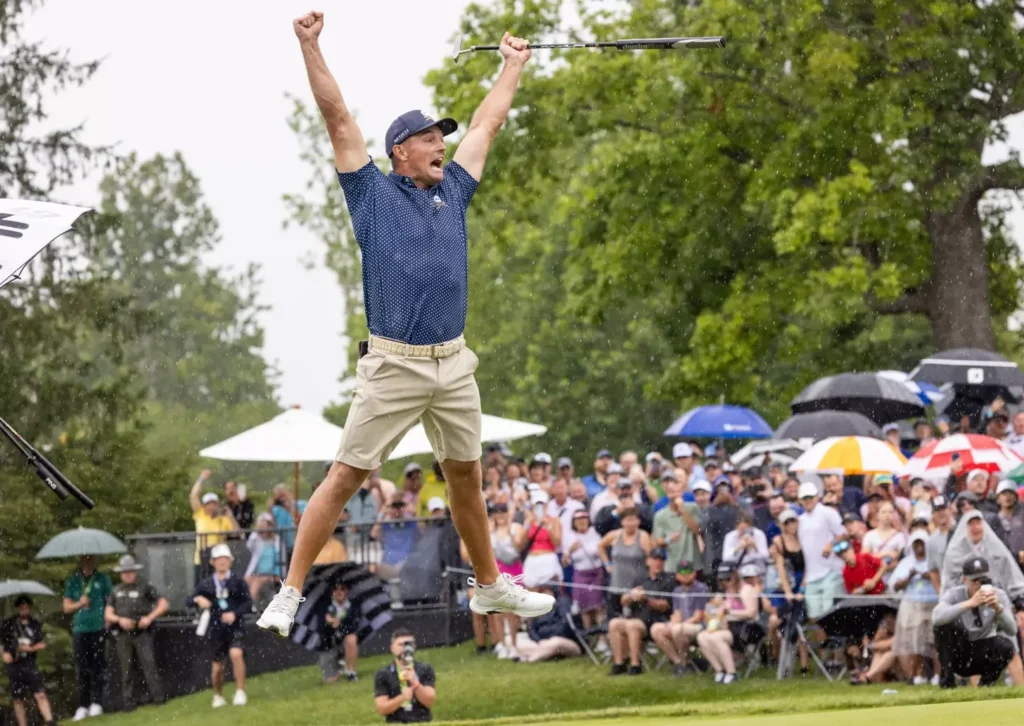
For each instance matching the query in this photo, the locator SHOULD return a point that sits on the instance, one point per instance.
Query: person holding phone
(914, 639)
(543, 536)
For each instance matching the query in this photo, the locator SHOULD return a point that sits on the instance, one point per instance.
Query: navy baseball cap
(412, 122)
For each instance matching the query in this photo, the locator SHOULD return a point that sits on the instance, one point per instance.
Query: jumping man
(411, 228)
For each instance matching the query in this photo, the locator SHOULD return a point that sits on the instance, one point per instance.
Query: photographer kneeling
(975, 628)
(404, 690)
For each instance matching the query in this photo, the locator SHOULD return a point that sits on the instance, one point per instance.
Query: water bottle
(204, 623)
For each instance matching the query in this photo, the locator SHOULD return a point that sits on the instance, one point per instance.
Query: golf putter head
(457, 48)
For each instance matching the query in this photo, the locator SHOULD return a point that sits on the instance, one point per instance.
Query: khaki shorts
(394, 391)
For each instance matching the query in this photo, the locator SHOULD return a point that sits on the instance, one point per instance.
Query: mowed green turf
(475, 688)
(990, 713)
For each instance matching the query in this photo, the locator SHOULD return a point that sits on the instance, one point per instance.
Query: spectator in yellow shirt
(434, 486)
(212, 520)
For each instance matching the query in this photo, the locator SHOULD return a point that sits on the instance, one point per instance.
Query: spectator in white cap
(610, 494)
(654, 467)
(978, 483)
(226, 596)
(683, 456)
(891, 432)
(1011, 516)
(211, 520)
(437, 508)
(818, 528)
(914, 640)
(565, 469)
(543, 536)
(701, 492)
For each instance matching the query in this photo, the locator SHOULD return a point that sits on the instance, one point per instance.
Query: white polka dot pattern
(415, 252)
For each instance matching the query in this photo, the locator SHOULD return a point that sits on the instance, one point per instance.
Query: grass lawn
(473, 688)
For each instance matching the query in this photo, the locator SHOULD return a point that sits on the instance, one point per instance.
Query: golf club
(630, 44)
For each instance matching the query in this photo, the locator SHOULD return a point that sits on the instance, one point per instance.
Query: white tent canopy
(492, 428)
(297, 435)
(293, 436)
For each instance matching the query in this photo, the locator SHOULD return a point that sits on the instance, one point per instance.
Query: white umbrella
(293, 436)
(492, 428)
(791, 448)
(25, 230)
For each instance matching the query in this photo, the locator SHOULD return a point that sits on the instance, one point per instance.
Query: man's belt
(441, 350)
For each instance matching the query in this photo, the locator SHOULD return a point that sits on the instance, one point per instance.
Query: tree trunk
(958, 303)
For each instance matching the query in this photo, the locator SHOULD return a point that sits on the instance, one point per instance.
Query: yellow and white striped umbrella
(851, 455)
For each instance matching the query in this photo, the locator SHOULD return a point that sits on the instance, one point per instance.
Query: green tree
(32, 163)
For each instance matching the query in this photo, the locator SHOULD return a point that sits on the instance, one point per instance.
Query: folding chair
(587, 638)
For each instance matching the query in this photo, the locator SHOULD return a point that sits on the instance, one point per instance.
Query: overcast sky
(208, 78)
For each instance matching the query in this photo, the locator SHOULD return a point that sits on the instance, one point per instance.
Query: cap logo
(402, 136)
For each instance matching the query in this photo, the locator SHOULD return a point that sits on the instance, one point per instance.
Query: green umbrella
(80, 542)
(10, 588)
(1017, 474)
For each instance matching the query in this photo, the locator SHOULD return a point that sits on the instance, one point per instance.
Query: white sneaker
(501, 651)
(280, 613)
(81, 714)
(506, 595)
(935, 681)
(219, 701)
(729, 678)
(239, 699)
(513, 654)
(95, 710)
(720, 676)
(919, 681)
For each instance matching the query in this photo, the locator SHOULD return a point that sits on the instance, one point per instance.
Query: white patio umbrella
(492, 428)
(293, 436)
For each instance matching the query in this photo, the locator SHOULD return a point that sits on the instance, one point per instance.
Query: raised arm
(487, 121)
(346, 138)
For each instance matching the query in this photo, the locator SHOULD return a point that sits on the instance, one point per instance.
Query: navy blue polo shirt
(415, 252)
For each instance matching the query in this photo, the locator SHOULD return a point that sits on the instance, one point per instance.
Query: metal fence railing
(175, 561)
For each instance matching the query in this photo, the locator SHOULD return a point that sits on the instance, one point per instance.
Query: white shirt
(874, 544)
(816, 529)
(585, 557)
(1016, 442)
(607, 498)
(564, 513)
(732, 541)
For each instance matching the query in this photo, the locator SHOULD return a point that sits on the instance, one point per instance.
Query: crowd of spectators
(704, 561)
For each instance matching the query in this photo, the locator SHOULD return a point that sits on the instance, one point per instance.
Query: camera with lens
(408, 653)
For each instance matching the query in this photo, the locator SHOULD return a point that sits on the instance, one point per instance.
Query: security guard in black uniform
(131, 610)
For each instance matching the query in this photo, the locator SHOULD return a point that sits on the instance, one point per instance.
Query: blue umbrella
(720, 421)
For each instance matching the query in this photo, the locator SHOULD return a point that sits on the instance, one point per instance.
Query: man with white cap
(131, 609)
(818, 528)
(683, 455)
(1011, 516)
(225, 596)
(913, 639)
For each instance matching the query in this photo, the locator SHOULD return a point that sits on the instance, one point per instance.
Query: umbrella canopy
(967, 400)
(10, 588)
(929, 393)
(790, 448)
(970, 366)
(822, 424)
(28, 228)
(492, 428)
(759, 461)
(877, 397)
(293, 436)
(720, 421)
(80, 542)
(976, 452)
(851, 455)
(366, 593)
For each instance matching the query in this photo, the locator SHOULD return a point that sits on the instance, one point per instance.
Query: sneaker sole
(271, 629)
(480, 610)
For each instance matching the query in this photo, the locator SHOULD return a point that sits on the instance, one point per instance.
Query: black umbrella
(880, 399)
(366, 593)
(968, 366)
(822, 424)
(856, 617)
(971, 400)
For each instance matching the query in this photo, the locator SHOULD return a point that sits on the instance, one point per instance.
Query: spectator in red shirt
(862, 573)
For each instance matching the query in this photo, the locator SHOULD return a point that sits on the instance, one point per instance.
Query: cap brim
(976, 576)
(447, 126)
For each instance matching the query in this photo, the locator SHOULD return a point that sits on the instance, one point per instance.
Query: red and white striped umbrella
(976, 452)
